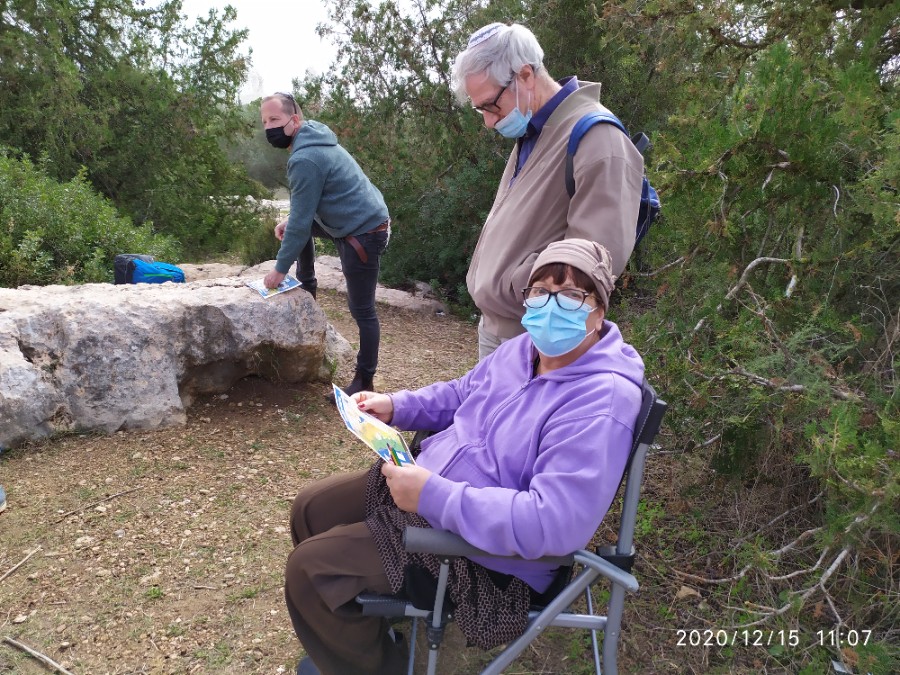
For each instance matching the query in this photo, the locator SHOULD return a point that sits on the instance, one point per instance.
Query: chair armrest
(607, 569)
(441, 542)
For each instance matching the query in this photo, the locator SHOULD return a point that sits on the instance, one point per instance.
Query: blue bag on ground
(123, 266)
(155, 272)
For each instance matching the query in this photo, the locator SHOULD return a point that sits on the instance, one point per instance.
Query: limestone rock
(106, 357)
(210, 271)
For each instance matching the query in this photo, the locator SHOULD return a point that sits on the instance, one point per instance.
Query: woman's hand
(377, 405)
(405, 484)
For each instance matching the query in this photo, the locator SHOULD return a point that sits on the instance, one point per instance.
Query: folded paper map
(382, 438)
(289, 284)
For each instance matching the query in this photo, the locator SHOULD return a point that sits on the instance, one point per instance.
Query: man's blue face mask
(554, 330)
(515, 124)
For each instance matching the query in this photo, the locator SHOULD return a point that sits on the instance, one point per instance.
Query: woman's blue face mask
(559, 326)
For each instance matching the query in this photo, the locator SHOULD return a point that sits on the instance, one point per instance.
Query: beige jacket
(537, 210)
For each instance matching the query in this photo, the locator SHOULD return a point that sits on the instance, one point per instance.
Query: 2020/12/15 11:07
(711, 637)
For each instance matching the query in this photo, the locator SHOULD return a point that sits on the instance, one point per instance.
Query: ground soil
(163, 551)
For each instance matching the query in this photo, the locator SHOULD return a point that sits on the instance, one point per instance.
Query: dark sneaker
(311, 289)
(360, 383)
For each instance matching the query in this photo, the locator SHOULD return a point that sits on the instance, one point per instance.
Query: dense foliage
(63, 233)
(145, 102)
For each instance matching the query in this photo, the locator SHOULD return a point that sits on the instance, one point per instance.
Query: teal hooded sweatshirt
(327, 182)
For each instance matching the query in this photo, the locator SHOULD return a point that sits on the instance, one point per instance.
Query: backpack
(650, 205)
(155, 272)
(123, 266)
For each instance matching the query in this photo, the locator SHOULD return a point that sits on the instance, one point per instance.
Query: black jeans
(306, 263)
(361, 281)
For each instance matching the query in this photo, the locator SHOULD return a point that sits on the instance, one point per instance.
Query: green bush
(63, 233)
(258, 244)
(434, 240)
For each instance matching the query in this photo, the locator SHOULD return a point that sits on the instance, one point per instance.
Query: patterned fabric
(487, 615)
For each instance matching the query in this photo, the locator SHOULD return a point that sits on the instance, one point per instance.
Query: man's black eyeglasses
(492, 107)
(567, 298)
(290, 98)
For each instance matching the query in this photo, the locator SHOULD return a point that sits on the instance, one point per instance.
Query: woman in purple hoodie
(530, 449)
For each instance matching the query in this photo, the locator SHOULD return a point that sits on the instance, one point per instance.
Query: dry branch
(758, 379)
(19, 564)
(99, 501)
(804, 594)
(46, 660)
(746, 274)
(777, 518)
(662, 269)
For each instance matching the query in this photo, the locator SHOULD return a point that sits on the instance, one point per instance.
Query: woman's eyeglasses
(570, 299)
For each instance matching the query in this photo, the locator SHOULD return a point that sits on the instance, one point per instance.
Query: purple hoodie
(527, 465)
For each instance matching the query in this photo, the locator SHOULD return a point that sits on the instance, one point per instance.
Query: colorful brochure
(382, 438)
(289, 284)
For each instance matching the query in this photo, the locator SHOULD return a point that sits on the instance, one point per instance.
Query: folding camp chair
(610, 562)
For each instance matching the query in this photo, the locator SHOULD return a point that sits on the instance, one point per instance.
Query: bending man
(331, 196)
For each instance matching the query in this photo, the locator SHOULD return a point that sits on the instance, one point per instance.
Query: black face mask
(278, 138)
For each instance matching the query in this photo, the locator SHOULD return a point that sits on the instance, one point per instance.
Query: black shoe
(307, 667)
(360, 383)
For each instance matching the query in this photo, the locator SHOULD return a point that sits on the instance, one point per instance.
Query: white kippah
(485, 33)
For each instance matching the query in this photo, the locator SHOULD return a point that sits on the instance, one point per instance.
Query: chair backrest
(647, 426)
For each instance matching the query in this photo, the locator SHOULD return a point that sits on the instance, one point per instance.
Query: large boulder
(106, 357)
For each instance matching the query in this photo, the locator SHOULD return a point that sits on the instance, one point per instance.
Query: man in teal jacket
(330, 197)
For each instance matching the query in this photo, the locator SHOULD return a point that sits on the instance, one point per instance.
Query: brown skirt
(487, 614)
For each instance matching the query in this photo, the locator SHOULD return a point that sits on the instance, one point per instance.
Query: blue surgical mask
(556, 331)
(515, 124)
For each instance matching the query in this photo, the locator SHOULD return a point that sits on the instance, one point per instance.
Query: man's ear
(526, 76)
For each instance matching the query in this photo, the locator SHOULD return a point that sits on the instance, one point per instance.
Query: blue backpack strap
(578, 131)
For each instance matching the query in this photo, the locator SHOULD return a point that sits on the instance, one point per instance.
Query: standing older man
(332, 196)
(501, 72)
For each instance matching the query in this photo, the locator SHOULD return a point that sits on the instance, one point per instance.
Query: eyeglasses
(290, 98)
(492, 107)
(570, 299)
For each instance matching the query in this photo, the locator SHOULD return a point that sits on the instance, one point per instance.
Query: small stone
(22, 618)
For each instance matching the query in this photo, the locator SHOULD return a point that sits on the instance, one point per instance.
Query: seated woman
(531, 447)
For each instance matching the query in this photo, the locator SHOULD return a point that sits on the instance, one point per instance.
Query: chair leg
(412, 646)
(435, 632)
(590, 609)
(613, 629)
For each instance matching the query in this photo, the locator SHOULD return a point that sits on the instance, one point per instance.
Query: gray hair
(289, 105)
(499, 50)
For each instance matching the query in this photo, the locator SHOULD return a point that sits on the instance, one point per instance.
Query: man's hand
(273, 278)
(377, 405)
(279, 230)
(405, 484)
